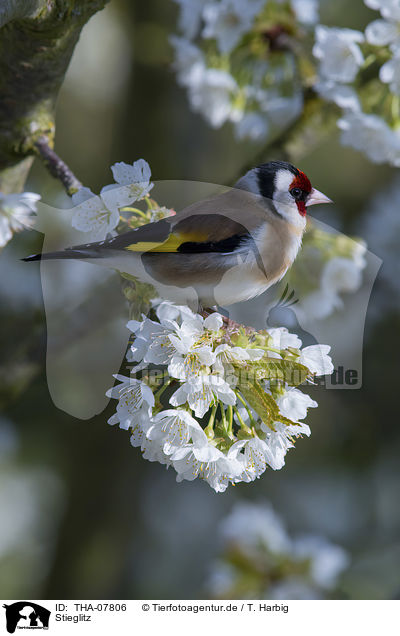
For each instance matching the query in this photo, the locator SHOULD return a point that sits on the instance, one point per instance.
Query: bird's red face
(289, 189)
(300, 189)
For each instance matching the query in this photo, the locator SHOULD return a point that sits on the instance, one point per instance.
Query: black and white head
(287, 189)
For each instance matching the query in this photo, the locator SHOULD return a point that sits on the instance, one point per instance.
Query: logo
(26, 615)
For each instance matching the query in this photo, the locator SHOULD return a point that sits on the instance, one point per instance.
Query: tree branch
(57, 167)
(37, 40)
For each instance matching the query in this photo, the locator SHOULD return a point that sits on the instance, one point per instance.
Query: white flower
(390, 73)
(167, 311)
(189, 61)
(341, 275)
(282, 339)
(389, 9)
(162, 212)
(152, 450)
(270, 448)
(316, 358)
(135, 400)
(382, 33)
(338, 52)
(294, 404)
(306, 11)
(91, 214)
(100, 214)
(318, 304)
(272, 565)
(227, 21)
(152, 339)
(253, 459)
(16, 213)
(338, 275)
(252, 126)
(371, 135)
(201, 391)
(207, 462)
(279, 441)
(135, 178)
(151, 344)
(173, 429)
(327, 560)
(211, 95)
(190, 16)
(190, 355)
(225, 356)
(343, 96)
(184, 347)
(387, 31)
(251, 525)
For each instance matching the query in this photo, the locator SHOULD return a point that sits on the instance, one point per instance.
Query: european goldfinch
(219, 251)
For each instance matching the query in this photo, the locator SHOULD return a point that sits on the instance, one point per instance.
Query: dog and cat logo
(26, 615)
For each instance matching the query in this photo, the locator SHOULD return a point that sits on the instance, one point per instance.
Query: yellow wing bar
(170, 245)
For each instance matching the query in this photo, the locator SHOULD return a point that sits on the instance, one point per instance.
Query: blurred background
(83, 515)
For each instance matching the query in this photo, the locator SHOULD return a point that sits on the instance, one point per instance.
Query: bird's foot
(230, 326)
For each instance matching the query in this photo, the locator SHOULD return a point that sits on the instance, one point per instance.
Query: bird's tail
(62, 255)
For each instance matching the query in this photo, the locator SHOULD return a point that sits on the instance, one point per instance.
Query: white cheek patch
(283, 200)
(282, 196)
(283, 181)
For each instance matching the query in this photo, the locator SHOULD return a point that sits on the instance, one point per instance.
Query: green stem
(223, 415)
(274, 350)
(369, 60)
(151, 204)
(247, 409)
(136, 211)
(230, 421)
(161, 390)
(395, 109)
(209, 430)
(243, 425)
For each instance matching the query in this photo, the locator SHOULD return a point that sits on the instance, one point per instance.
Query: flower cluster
(260, 560)
(234, 59)
(16, 213)
(246, 61)
(327, 266)
(236, 408)
(100, 214)
(360, 72)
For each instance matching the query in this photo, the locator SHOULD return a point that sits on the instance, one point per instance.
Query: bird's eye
(296, 193)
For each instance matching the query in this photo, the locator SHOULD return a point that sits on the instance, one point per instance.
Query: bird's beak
(316, 197)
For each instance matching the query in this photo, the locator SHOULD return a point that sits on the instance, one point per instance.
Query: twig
(57, 167)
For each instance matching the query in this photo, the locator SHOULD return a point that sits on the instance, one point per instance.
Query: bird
(218, 251)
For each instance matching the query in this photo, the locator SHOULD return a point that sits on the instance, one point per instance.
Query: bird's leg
(230, 326)
(207, 311)
(233, 327)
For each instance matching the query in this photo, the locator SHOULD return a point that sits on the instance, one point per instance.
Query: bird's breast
(277, 244)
